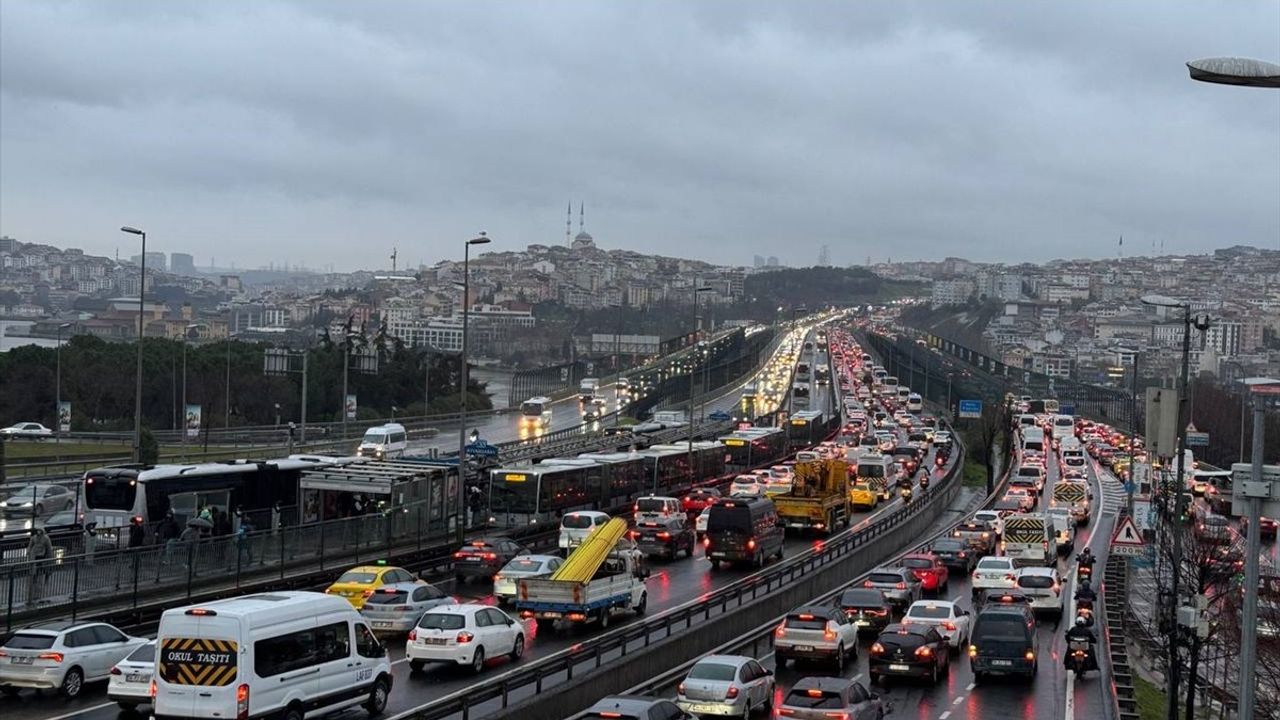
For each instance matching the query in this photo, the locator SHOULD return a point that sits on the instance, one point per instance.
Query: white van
(384, 442)
(576, 526)
(1064, 426)
(915, 403)
(1033, 440)
(290, 655)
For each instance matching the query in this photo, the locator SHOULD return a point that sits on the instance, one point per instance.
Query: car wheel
(459, 580)
(416, 665)
(604, 619)
(746, 711)
(377, 698)
(293, 712)
(715, 564)
(128, 707)
(72, 683)
(643, 604)
(477, 662)
(517, 649)
(10, 691)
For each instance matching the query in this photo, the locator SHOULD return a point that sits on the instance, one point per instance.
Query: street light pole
(226, 398)
(182, 427)
(462, 391)
(693, 358)
(137, 391)
(57, 390)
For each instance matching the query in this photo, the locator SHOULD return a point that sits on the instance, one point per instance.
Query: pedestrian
(137, 534)
(237, 519)
(39, 553)
(168, 533)
(243, 542)
(187, 543)
(275, 518)
(206, 513)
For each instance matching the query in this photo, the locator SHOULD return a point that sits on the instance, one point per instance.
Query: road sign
(1067, 408)
(1265, 389)
(1127, 541)
(481, 448)
(1197, 439)
(970, 408)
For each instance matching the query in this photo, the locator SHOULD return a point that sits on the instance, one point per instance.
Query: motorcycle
(906, 494)
(924, 482)
(1080, 657)
(1084, 609)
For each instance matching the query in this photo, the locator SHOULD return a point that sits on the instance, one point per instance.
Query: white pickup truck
(617, 586)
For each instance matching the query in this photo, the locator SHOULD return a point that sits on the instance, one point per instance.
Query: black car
(666, 537)
(955, 553)
(916, 651)
(909, 456)
(484, 557)
(1003, 596)
(1004, 641)
(744, 530)
(868, 608)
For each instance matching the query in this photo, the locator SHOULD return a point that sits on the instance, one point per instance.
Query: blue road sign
(1197, 439)
(1067, 408)
(480, 448)
(970, 408)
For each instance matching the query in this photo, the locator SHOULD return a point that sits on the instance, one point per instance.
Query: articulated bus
(807, 427)
(535, 412)
(754, 446)
(114, 496)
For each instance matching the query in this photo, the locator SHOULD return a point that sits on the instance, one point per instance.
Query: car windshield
(576, 522)
(30, 641)
(146, 653)
(361, 577)
(442, 621)
(1035, 581)
(1029, 472)
(885, 578)
(712, 671)
(806, 622)
(388, 597)
(730, 519)
(523, 565)
(861, 598)
(917, 563)
(651, 505)
(930, 612)
(995, 564)
(814, 699)
(949, 546)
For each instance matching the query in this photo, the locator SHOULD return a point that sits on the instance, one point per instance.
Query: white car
(746, 486)
(130, 683)
(951, 622)
(506, 582)
(816, 632)
(726, 686)
(994, 573)
(700, 524)
(1043, 585)
(29, 430)
(576, 526)
(992, 518)
(63, 656)
(464, 635)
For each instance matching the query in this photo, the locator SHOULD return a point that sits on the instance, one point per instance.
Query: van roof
(272, 607)
(388, 427)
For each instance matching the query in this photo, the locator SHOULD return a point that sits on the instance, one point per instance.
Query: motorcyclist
(1080, 632)
(1086, 559)
(1086, 593)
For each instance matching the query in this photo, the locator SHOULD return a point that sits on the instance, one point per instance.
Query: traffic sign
(1127, 541)
(1265, 389)
(970, 408)
(481, 448)
(1067, 408)
(1197, 439)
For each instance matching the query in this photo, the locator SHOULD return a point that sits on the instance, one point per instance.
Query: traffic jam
(427, 635)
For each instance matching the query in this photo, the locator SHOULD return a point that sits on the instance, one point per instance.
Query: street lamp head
(482, 240)
(64, 326)
(1235, 71)
(705, 289)
(131, 230)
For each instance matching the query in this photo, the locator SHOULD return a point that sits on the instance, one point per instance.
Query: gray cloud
(320, 132)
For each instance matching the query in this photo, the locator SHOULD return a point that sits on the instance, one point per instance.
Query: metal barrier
(638, 636)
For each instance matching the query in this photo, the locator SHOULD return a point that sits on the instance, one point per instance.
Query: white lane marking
(945, 714)
(970, 687)
(958, 700)
(74, 713)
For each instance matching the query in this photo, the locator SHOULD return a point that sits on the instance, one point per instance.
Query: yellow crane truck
(818, 499)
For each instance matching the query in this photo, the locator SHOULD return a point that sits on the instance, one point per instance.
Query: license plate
(717, 554)
(804, 648)
(900, 668)
(703, 708)
(1002, 663)
(862, 623)
(435, 641)
(21, 660)
(552, 615)
(138, 677)
(382, 624)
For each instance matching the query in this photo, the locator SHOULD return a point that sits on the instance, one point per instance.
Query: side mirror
(768, 672)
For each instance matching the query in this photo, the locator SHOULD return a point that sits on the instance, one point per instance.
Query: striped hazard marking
(198, 661)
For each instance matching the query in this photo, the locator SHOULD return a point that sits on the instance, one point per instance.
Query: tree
(148, 448)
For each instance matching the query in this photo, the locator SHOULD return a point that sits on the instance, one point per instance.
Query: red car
(699, 498)
(926, 566)
(1266, 526)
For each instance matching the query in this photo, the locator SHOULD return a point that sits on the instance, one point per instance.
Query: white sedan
(506, 582)
(130, 683)
(464, 635)
(28, 430)
(951, 622)
(994, 572)
(746, 486)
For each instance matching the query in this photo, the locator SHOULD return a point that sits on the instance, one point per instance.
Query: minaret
(582, 217)
(394, 253)
(568, 225)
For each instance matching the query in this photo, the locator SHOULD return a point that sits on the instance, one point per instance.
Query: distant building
(772, 261)
(758, 261)
(182, 264)
(155, 261)
(951, 292)
(8, 244)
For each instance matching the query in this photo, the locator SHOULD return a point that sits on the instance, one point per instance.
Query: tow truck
(818, 499)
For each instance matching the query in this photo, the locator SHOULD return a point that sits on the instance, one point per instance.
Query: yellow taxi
(359, 583)
(866, 493)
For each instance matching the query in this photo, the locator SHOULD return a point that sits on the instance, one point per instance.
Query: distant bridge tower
(568, 225)
(394, 255)
(824, 256)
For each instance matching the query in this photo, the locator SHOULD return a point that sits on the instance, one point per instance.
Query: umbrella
(199, 522)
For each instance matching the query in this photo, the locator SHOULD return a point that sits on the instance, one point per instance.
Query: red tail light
(948, 625)
(828, 634)
(54, 656)
(901, 586)
(680, 688)
(151, 689)
(751, 544)
(413, 634)
(1031, 655)
(867, 583)
(367, 593)
(664, 535)
(781, 631)
(464, 637)
(242, 702)
(490, 556)
(116, 671)
(876, 648)
(459, 555)
(706, 542)
(924, 652)
(732, 693)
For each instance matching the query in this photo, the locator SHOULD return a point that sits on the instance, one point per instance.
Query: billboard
(192, 424)
(351, 407)
(64, 416)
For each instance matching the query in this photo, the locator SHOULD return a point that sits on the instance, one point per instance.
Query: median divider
(622, 658)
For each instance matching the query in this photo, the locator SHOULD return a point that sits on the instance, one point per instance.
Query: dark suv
(666, 537)
(868, 608)
(916, 651)
(743, 529)
(1004, 641)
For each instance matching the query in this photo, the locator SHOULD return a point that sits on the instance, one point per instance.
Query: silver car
(901, 586)
(821, 698)
(38, 500)
(63, 656)
(506, 582)
(726, 685)
(395, 608)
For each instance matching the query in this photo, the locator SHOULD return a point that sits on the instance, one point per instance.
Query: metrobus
(536, 412)
(807, 427)
(750, 447)
(115, 496)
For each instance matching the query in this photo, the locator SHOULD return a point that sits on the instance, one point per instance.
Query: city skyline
(904, 131)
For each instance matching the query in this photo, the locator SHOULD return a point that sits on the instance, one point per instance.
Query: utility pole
(1133, 434)
(1253, 547)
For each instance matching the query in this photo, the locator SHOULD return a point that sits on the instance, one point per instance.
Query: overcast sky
(325, 133)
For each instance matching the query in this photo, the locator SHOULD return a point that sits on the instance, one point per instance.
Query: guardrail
(637, 637)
